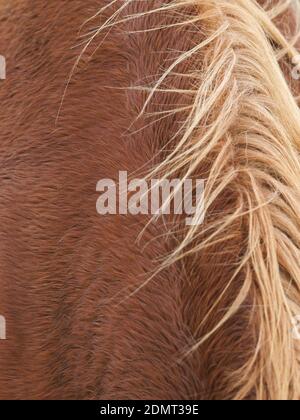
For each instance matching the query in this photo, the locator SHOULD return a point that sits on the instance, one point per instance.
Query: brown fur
(66, 272)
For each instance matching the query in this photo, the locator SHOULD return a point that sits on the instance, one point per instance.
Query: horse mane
(240, 132)
(210, 90)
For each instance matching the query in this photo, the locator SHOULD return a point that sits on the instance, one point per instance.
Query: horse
(139, 306)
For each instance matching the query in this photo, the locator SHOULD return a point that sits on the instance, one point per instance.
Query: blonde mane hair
(241, 132)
